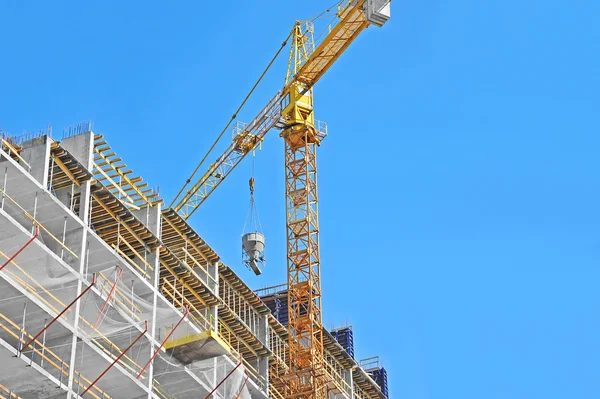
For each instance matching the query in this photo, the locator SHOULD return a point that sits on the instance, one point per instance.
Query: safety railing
(321, 128)
(334, 371)
(27, 282)
(205, 322)
(274, 392)
(270, 290)
(120, 299)
(8, 392)
(35, 222)
(142, 270)
(240, 306)
(196, 268)
(201, 317)
(159, 391)
(369, 363)
(37, 290)
(48, 356)
(359, 394)
(207, 276)
(278, 346)
(13, 152)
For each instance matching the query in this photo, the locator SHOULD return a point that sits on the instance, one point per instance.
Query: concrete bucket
(253, 244)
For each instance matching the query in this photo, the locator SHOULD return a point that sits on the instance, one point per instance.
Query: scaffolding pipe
(4, 186)
(43, 345)
(62, 363)
(187, 311)
(112, 291)
(22, 330)
(239, 395)
(117, 359)
(89, 287)
(223, 380)
(34, 209)
(37, 232)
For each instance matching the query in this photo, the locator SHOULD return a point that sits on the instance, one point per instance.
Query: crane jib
(241, 145)
(354, 17)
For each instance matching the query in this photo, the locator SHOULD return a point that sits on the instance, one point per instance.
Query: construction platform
(106, 294)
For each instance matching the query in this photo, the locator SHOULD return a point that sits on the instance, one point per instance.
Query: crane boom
(352, 19)
(242, 143)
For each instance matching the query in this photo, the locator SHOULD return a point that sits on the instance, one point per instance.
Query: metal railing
(207, 322)
(270, 290)
(50, 358)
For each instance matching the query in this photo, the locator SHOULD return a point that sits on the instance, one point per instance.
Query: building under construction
(106, 292)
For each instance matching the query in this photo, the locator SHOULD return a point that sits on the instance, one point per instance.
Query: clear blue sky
(459, 184)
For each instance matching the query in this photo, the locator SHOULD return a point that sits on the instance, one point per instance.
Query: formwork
(105, 293)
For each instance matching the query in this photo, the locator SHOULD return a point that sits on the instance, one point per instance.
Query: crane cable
(313, 19)
(252, 214)
(232, 118)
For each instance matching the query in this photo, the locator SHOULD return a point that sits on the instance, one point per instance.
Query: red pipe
(37, 232)
(112, 290)
(61, 313)
(187, 311)
(242, 388)
(117, 359)
(222, 381)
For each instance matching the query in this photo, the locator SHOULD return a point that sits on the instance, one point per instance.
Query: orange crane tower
(291, 109)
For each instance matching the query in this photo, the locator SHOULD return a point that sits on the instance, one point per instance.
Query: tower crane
(291, 110)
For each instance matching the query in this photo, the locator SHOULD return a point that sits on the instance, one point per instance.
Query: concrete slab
(27, 381)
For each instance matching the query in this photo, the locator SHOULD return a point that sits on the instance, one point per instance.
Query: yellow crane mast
(291, 109)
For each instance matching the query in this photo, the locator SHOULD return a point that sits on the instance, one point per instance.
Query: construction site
(108, 291)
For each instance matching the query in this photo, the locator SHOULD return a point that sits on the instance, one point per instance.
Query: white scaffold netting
(120, 320)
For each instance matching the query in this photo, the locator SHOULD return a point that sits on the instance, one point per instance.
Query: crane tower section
(306, 378)
(303, 260)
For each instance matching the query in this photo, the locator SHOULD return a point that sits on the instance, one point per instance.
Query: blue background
(458, 185)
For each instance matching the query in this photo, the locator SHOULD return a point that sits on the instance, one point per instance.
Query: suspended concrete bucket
(253, 245)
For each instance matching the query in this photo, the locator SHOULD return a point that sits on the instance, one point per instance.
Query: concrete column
(36, 153)
(82, 260)
(213, 271)
(263, 370)
(64, 195)
(263, 331)
(81, 147)
(85, 202)
(151, 217)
